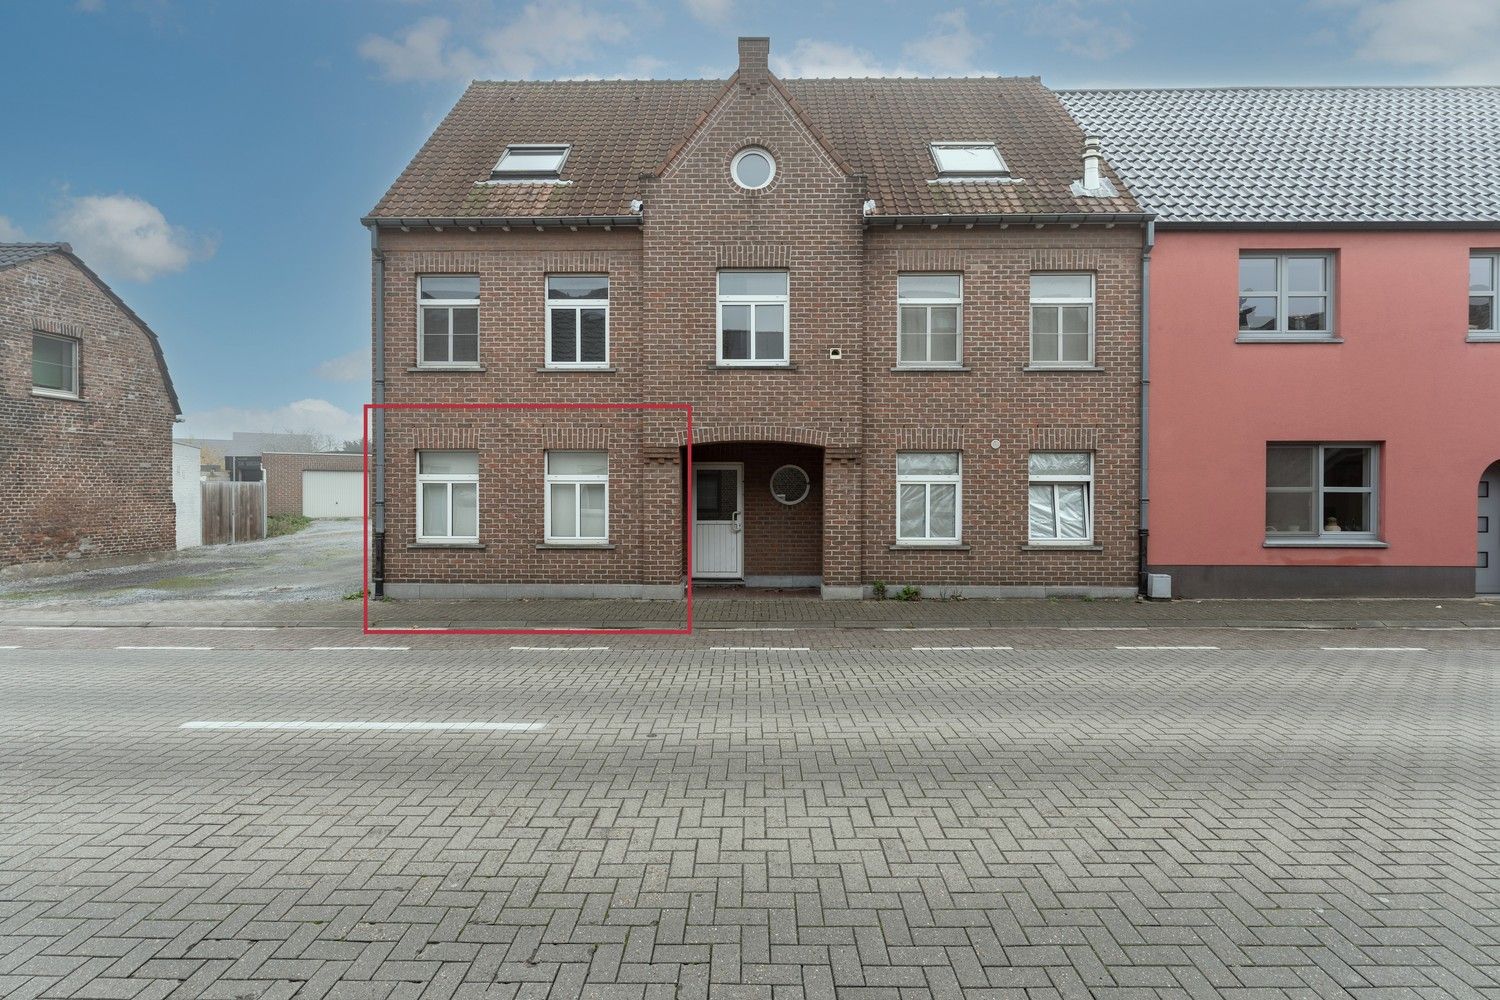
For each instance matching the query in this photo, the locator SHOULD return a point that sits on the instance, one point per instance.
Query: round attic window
(789, 485)
(752, 168)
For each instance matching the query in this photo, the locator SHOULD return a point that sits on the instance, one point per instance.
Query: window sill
(446, 545)
(1483, 337)
(566, 369)
(1288, 338)
(931, 368)
(56, 394)
(577, 545)
(772, 367)
(1061, 368)
(446, 368)
(929, 547)
(1062, 547)
(1325, 543)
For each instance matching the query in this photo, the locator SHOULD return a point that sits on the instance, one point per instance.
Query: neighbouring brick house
(905, 313)
(314, 483)
(1324, 332)
(86, 414)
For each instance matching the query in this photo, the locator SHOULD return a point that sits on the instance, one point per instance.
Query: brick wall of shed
(283, 475)
(86, 478)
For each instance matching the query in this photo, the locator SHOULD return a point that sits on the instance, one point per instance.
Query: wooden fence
(233, 512)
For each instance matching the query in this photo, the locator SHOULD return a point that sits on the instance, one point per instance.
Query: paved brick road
(851, 823)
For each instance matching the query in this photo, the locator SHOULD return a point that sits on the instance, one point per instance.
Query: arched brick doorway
(1487, 573)
(752, 522)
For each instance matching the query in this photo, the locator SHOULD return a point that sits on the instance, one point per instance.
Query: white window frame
(76, 348)
(1318, 535)
(450, 305)
(1054, 480)
(562, 150)
(577, 306)
(926, 303)
(1056, 303)
(1281, 332)
(753, 301)
(928, 480)
(1492, 332)
(734, 166)
(450, 479)
(1001, 173)
(576, 481)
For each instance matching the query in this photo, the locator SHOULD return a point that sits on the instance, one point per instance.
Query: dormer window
(973, 160)
(541, 162)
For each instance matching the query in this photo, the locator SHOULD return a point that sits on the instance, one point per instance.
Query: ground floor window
(447, 496)
(929, 501)
(1321, 491)
(1060, 496)
(577, 498)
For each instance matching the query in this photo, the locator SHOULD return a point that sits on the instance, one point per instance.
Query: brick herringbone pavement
(853, 824)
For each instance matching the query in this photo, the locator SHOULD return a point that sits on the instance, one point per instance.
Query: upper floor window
(753, 318)
(448, 496)
(1060, 497)
(1484, 281)
(931, 310)
(1286, 293)
(929, 496)
(577, 499)
(752, 168)
(1325, 492)
(449, 306)
(1062, 320)
(534, 162)
(577, 320)
(54, 365)
(968, 159)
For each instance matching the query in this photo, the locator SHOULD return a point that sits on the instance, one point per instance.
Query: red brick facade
(283, 475)
(838, 409)
(87, 477)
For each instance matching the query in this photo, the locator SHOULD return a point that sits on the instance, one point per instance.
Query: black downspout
(1144, 532)
(377, 417)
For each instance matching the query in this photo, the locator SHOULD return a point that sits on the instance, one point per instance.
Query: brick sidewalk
(774, 610)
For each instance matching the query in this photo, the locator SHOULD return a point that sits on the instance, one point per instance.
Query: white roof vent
(1094, 183)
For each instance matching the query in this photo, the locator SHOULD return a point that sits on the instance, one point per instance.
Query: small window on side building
(54, 365)
(1484, 282)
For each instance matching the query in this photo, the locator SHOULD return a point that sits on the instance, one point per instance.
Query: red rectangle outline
(687, 535)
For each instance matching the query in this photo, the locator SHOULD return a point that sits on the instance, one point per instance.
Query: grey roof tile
(1303, 155)
(12, 254)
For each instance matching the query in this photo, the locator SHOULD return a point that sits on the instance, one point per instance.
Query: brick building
(313, 483)
(86, 414)
(905, 314)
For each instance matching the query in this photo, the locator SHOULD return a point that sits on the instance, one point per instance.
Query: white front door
(1487, 576)
(718, 520)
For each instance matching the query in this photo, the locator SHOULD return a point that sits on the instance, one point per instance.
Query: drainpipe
(1145, 527)
(377, 418)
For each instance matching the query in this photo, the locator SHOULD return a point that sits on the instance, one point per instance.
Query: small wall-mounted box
(835, 353)
(1159, 586)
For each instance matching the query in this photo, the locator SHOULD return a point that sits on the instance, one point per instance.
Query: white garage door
(332, 494)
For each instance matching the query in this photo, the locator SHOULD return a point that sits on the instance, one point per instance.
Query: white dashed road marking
(340, 649)
(1168, 648)
(560, 649)
(1373, 649)
(759, 649)
(521, 727)
(63, 628)
(958, 649)
(194, 649)
(927, 628)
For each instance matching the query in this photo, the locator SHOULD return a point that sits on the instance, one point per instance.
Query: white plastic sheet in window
(577, 463)
(927, 463)
(943, 503)
(1059, 463)
(1072, 516)
(465, 510)
(564, 510)
(913, 514)
(449, 463)
(1041, 513)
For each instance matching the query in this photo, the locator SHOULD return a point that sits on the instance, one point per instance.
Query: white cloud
(949, 49)
(540, 36)
(1096, 29)
(709, 11)
(9, 231)
(1453, 39)
(305, 416)
(123, 236)
(351, 367)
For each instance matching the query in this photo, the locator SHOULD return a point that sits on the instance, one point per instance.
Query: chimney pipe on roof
(755, 58)
(1091, 157)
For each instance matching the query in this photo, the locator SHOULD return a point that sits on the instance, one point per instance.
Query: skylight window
(542, 162)
(968, 159)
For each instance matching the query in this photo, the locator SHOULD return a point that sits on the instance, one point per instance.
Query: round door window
(789, 485)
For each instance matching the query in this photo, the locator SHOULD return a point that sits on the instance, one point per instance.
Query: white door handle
(734, 525)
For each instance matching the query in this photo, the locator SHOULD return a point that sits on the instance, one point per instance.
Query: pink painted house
(1324, 336)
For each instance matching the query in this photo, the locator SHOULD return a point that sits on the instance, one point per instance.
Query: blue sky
(212, 158)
